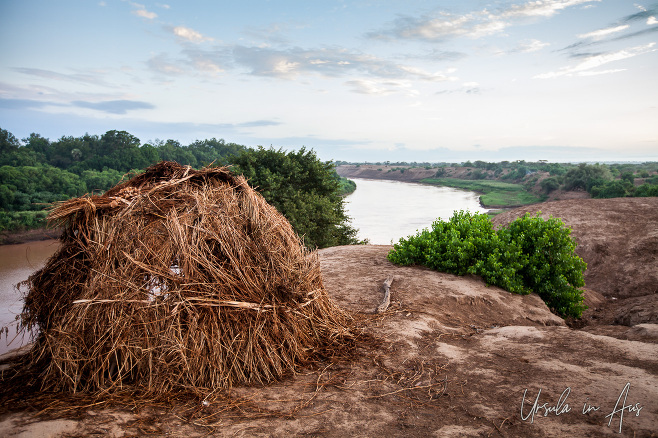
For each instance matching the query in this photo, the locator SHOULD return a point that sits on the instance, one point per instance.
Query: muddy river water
(384, 211)
(17, 262)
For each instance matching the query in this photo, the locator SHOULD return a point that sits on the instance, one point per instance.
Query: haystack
(177, 279)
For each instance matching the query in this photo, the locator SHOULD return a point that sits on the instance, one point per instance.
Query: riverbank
(493, 194)
(346, 186)
(24, 236)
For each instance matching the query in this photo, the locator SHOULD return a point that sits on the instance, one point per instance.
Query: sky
(412, 80)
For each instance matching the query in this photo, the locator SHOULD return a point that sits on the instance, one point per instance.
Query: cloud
(529, 46)
(444, 25)
(190, 35)
(257, 124)
(466, 88)
(21, 104)
(582, 44)
(331, 62)
(591, 62)
(209, 61)
(580, 55)
(428, 76)
(542, 8)
(293, 62)
(601, 72)
(289, 63)
(273, 34)
(49, 74)
(145, 14)
(114, 106)
(525, 46)
(378, 87)
(110, 106)
(641, 16)
(440, 27)
(162, 64)
(438, 55)
(634, 34)
(193, 60)
(601, 33)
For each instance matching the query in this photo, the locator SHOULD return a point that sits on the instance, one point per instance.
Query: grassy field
(495, 194)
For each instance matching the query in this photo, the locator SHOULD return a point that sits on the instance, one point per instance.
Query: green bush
(22, 220)
(440, 172)
(346, 186)
(530, 255)
(612, 189)
(646, 190)
(586, 176)
(550, 184)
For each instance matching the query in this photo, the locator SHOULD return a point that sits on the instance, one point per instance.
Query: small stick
(407, 389)
(387, 296)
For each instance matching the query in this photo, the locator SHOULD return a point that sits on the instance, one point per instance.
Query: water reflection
(385, 211)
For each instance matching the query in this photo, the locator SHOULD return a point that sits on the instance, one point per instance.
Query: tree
(304, 189)
(172, 150)
(646, 190)
(612, 189)
(586, 176)
(38, 144)
(8, 143)
(549, 184)
(628, 176)
(117, 141)
(101, 181)
(207, 151)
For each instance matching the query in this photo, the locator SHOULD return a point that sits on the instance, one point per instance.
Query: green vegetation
(304, 189)
(586, 176)
(532, 182)
(36, 172)
(601, 181)
(22, 220)
(495, 193)
(530, 255)
(346, 186)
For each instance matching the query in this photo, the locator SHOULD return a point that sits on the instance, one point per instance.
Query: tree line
(36, 172)
(599, 180)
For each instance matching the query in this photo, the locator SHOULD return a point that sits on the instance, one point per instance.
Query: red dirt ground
(452, 357)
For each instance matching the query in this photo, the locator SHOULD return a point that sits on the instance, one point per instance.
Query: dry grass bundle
(177, 279)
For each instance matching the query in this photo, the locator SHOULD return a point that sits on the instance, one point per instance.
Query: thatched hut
(177, 278)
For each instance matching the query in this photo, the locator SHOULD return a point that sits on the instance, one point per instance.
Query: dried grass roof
(177, 278)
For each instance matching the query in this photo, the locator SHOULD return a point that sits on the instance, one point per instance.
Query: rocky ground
(451, 357)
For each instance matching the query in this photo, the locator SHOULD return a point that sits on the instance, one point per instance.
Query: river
(382, 210)
(17, 262)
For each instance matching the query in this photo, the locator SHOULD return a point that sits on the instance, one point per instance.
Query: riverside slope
(453, 357)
